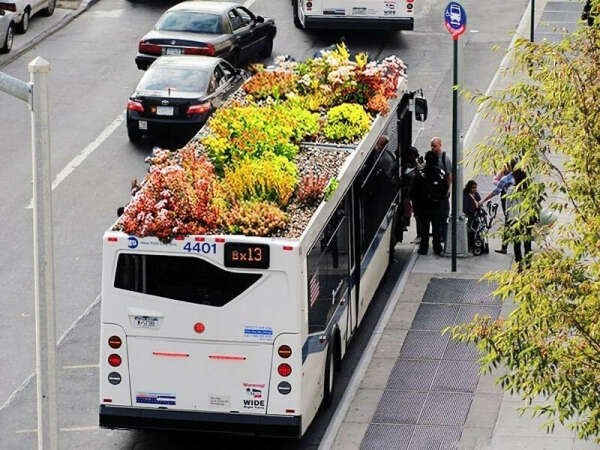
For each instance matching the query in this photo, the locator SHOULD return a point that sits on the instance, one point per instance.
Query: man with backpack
(429, 193)
(444, 163)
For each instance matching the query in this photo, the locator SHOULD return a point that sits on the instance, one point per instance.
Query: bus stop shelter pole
(45, 313)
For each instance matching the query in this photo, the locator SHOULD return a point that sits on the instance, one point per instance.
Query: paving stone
(445, 408)
(399, 407)
(456, 376)
(561, 16)
(434, 317)
(412, 375)
(387, 437)
(564, 6)
(434, 438)
(424, 344)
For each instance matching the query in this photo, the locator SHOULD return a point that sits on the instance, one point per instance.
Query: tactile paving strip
(434, 317)
(387, 437)
(456, 376)
(411, 375)
(434, 438)
(445, 408)
(399, 407)
(451, 290)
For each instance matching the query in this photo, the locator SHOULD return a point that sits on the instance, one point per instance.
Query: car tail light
(114, 360)
(208, 50)
(284, 351)
(284, 370)
(151, 49)
(199, 109)
(114, 341)
(135, 106)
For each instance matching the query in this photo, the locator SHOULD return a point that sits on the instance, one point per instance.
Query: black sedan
(180, 92)
(228, 30)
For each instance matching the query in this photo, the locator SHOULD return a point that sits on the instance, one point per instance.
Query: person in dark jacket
(429, 191)
(471, 199)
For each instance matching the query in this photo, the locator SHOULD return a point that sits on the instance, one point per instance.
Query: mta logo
(133, 242)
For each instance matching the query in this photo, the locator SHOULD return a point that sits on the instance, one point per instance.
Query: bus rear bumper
(344, 22)
(163, 419)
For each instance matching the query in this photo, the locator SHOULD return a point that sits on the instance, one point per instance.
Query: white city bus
(244, 334)
(354, 14)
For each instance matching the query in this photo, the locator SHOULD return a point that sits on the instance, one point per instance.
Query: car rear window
(182, 278)
(193, 22)
(183, 79)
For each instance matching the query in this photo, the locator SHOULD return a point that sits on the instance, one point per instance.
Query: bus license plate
(359, 11)
(145, 322)
(173, 51)
(164, 110)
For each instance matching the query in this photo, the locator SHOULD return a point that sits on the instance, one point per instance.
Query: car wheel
(133, 132)
(8, 40)
(329, 380)
(49, 10)
(23, 25)
(297, 22)
(267, 49)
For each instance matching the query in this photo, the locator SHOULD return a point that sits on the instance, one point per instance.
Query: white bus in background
(354, 14)
(244, 334)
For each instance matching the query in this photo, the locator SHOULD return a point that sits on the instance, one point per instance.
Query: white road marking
(249, 3)
(110, 14)
(87, 151)
(69, 429)
(83, 366)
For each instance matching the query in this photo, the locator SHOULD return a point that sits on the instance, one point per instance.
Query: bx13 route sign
(455, 18)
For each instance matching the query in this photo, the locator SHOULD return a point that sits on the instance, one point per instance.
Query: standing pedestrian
(471, 203)
(443, 163)
(409, 174)
(504, 249)
(428, 193)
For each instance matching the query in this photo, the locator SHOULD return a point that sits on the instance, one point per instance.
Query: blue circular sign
(455, 18)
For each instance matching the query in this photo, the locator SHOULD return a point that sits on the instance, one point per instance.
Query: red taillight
(208, 50)
(114, 360)
(284, 351)
(199, 109)
(151, 49)
(284, 370)
(114, 341)
(113, 239)
(199, 327)
(288, 248)
(135, 106)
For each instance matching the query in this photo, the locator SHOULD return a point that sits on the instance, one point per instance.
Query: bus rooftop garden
(236, 276)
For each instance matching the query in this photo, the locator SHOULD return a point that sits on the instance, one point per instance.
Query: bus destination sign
(248, 256)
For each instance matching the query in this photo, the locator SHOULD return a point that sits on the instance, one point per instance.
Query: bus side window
(328, 270)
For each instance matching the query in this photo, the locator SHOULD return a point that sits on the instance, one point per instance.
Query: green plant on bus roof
(255, 218)
(331, 187)
(271, 178)
(311, 188)
(347, 123)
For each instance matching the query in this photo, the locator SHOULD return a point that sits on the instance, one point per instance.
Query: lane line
(87, 151)
(67, 430)
(30, 377)
(82, 366)
(361, 368)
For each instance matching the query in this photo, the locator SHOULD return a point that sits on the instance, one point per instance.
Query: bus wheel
(329, 381)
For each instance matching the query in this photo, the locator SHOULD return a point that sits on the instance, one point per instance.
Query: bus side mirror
(420, 109)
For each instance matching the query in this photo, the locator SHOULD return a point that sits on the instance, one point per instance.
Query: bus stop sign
(455, 18)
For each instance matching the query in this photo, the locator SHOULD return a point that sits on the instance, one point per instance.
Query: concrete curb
(85, 5)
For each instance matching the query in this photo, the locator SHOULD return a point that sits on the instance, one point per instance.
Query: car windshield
(177, 79)
(194, 22)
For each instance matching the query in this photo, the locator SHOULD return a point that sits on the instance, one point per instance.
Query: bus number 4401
(205, 248)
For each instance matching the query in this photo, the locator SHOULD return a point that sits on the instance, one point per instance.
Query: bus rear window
(181, 278)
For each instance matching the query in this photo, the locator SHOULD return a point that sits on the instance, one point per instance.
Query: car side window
(246, 15)
(235, 20)
(228, 71)
(220, 78)
(212, 84)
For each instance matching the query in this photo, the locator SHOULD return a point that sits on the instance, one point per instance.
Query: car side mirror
(260, 19)
(420, 109)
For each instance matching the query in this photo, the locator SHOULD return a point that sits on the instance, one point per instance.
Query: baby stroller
(482, 223)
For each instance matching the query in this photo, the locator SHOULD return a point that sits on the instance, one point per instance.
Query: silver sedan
(7, 26)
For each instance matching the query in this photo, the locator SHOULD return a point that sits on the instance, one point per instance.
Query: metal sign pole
(45, 314)
(454, 152)
(531, 36)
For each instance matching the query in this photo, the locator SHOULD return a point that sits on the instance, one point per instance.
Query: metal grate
(456, 376)
(445, 408)
(467, 313)
(461, 351)
(434, 317)
(387, 437)
(434, 438)
(399, 407)
(411, 375)
(452, 290)
(424, 345)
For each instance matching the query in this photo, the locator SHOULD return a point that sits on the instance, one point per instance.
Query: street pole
(45, 314)
(531, 34)
(454, 152)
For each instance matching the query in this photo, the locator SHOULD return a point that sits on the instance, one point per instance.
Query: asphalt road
(93, 72)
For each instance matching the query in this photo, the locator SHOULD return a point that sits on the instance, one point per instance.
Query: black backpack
(436, 185)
